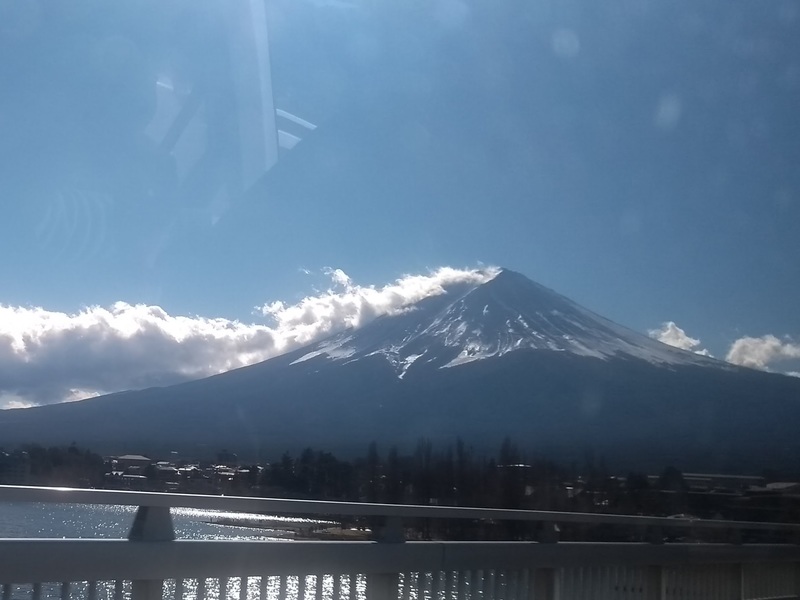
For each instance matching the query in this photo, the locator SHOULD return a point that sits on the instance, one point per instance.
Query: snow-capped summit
(509, 312)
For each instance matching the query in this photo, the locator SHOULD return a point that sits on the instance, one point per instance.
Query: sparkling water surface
(52, 520)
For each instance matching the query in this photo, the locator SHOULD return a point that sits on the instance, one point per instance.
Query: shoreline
(318, 530)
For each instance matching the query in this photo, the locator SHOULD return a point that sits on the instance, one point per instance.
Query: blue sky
(640, 158)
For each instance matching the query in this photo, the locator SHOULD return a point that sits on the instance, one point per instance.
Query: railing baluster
(37, 591)
(352, 589)
(524, 589)
(476, 588)
(91, 590)
(595, 586)
(704, 580)
(436, 585)
(448, 585)
(405, 593)
(512, 585)
(301, 587)
(583, 578)
(546, 584)
(685, 582)
(422, 587)
(490, 589)
(283, 587)
(6, 591)
(178, 589)
(119, 589)
(461, 589)
(602, 583)
(382, 586)
(699, 588)
(320, 580)
(223, 588)
(65, 589)
(711, 590)
(147, 589)
(201, 588)
(337, 586)
(415, 585)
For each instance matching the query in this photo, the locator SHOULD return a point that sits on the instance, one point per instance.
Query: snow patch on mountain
(335, 349)
(508, 313)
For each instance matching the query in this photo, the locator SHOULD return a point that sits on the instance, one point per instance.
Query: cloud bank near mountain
(49, 356)
(672, 335)
(753, 352)
(761, 352)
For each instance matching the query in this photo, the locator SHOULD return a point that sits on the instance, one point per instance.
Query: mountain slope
(507, 357)
(506, 314)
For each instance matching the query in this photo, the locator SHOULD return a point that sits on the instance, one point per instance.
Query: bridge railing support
(151, 564)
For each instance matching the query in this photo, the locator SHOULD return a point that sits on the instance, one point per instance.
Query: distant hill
(504, 358)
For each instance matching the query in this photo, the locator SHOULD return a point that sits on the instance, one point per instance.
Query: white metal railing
(152, 565)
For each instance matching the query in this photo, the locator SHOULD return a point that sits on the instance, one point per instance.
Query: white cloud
(339, 277)
(48, 356)
(672, 335)
(754, 352)
(760, 352)
(353, 306)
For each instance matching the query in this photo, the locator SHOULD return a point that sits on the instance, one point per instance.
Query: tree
(373, 473)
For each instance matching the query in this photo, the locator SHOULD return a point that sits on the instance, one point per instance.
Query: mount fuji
(506, 314)
(480, 361)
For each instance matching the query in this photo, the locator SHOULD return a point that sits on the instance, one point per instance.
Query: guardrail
(152, 565)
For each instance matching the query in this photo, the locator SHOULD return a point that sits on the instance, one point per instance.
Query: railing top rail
(285, 506)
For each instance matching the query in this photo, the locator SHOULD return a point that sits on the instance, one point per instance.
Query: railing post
(655, 584)
(147, 589)
(546, 585)
(151, 524)
(741, 572)
(382, 586)
(549, 533)
(654, 535)
(390, 531)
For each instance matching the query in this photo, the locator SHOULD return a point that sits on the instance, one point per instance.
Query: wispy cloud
(349, 305)
(669, 333)
(762, 352)
(48, 356)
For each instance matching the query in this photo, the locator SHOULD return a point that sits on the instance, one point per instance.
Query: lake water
(45, 520)
(35, 519)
